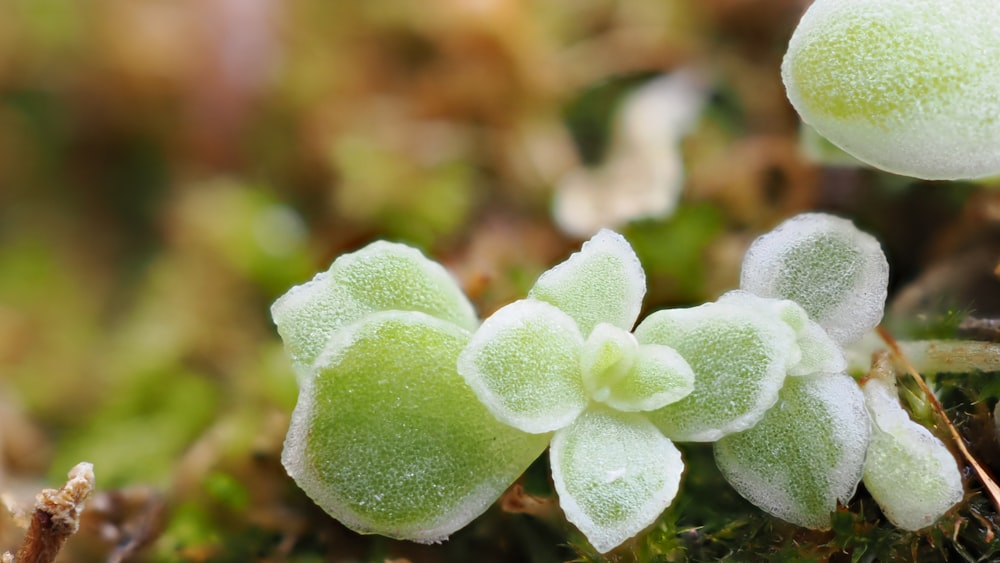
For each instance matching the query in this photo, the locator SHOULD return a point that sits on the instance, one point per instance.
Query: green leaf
(739, 359)
(806, 454)
(835, 272)
(382, 276)
(388, 439)
(524, 364)
(603, 282)
(628, 377)
(818, 353)
(909, 472)
(614, 473)
(908, 86)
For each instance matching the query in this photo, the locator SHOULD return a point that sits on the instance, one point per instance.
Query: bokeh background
(169, 167)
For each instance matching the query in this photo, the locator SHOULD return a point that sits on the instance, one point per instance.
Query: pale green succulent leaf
(834, 271)
(908, 86)
(806, 454)
(658, 377)
(909, 472)
(817, 352)
(388, 439)
(603, 282)
(382, 276)
(607, 356)
(523, 363)
(614, 473)
(739, 359)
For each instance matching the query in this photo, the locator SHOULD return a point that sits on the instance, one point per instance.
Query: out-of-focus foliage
(168, 168)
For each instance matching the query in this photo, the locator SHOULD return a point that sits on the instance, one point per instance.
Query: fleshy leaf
(818, 353)
(524, 364)
(608, 355)
(628, 377)
(603, 282)
(389, 440)
(614, 473)
(835, 272)
(659, 377)
(382, 276)
(739, 359)
(909, 86)
(806, 454)
(909, 472)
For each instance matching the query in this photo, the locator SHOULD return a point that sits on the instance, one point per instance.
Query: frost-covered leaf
(909, 472)
(382, 276)
(660, 376)
(818, 353)
(608, 354)
(388, 439)
(603, 282)
(524, 364)
(615, 473)
(835, 272)
(909, 86)
(739, 358)
(806, 454)
(628, 377)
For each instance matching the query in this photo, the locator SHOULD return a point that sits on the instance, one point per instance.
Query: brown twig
(56, 517)
(992, 490)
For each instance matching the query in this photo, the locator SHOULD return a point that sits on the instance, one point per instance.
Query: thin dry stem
(56, 517)
(992, 490)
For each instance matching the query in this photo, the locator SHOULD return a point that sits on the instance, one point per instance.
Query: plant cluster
(413, 416)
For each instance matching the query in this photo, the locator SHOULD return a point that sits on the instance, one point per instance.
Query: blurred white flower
(643, 174)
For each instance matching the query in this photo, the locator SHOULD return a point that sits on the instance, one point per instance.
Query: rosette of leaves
(807, 453)
(563, 362)
(386, 437)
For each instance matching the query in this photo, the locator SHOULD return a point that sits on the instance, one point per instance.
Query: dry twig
(56, 518)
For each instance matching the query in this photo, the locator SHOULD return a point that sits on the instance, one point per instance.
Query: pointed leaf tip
(603, 282)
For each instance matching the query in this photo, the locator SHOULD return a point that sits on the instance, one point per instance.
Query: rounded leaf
(389, 440)
(603, 282)
(614, 473)
(908, 86)
(818, 353)
(909, 472)
(805, 455)
(523, 363)
(382, 276)
(837, 273)
(739, 358)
